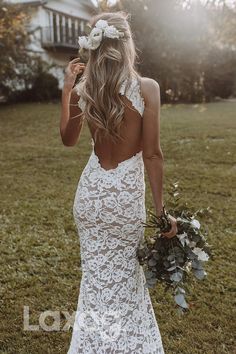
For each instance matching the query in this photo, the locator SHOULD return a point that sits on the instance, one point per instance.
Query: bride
(122, 109)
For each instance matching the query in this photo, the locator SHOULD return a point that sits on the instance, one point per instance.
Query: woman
(114, 312)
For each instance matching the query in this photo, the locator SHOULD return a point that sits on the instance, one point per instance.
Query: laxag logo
(106, 323)
(55, 315)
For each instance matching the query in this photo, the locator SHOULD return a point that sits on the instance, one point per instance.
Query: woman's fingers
(75, 68)
(169, 234)
(78, 69)
(74, 60)
(78, 66)
(72, 70)
(75, 64)
(173, 231)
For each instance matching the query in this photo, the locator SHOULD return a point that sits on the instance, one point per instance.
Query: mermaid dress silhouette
(114, 312)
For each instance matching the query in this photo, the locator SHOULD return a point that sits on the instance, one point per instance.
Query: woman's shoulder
(149, 83)
(149, 87)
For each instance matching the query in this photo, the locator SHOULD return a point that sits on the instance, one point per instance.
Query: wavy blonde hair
(107, 67)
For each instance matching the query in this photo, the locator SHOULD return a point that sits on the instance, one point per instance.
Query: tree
(105, 6)
(175, 41)
(13, 40)
(20, 69)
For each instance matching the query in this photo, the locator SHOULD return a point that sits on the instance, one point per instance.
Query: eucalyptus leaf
(196, 264)
(152, 262)
(177, 276)
(171, 268)
(180, 311)
(149, 274)
(180, 300)
(156, 256)
(191, 255)
(149, 285)
(166, 264)
(151, 282)
(199, 273)
(180, 290)
(171, 257)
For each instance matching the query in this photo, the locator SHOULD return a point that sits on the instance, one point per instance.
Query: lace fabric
(133, 93)
(114, 312)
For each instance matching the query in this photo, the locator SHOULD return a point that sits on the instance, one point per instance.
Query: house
(54, 29)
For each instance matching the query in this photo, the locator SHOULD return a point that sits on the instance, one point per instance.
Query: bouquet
(171, 260)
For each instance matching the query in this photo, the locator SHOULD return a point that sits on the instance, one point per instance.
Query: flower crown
(101, 29)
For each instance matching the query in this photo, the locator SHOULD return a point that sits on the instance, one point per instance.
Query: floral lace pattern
(132, 92)
(114, 313)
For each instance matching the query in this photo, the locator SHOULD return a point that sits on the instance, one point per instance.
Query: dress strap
(81, 102)
(133, 93)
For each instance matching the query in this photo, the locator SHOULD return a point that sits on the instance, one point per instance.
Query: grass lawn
(40, 255)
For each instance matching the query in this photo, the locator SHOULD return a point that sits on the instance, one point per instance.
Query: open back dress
(114, 312)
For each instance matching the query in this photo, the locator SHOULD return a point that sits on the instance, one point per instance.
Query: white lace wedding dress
(114, 313)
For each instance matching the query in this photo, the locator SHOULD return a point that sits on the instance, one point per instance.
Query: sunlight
(110, 2)
(230, 3)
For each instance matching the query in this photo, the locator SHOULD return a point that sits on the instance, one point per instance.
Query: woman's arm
(152, 154)
(71, 117)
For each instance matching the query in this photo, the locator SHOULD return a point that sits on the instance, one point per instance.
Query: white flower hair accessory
(101, 29)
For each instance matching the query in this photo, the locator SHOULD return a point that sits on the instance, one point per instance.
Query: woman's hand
(173, 231)
(72, 70)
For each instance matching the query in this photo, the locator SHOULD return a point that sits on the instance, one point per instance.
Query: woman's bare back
(109, 153)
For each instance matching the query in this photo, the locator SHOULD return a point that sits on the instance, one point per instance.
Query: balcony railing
(60, 37)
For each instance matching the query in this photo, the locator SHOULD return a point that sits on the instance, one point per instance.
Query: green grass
(40, 259)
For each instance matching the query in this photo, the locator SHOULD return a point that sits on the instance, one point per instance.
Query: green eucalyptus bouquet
(171, 260)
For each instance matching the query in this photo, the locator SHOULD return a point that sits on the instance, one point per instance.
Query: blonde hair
(107, 67)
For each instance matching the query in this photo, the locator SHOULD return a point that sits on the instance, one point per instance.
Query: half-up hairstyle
(107, 67)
